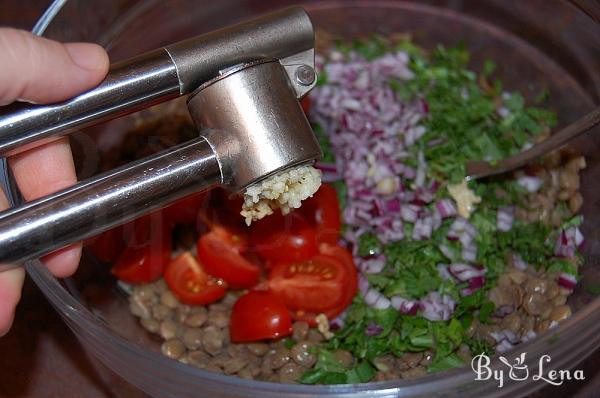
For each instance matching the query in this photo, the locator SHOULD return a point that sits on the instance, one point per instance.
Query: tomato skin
(259, 315)
(147, 253)
(108, 246)
(323, 211)
(220, 251)
(190, 283)
(184, 211)
(306, 104)
(289, 238)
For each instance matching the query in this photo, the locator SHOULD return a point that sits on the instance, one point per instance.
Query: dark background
(40, 357)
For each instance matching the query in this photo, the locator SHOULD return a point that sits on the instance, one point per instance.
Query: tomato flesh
(259, 315)
(288, 238)
(326, 284)
(147, 253)
(220, 251)
(323, 211)
(315, 285)
(190, 283)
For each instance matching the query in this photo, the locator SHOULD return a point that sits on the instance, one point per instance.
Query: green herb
(328, 370)
(369, 245)
(480, 346)
(289, 343)
(322, 78)
(324, 143)
(463, 113)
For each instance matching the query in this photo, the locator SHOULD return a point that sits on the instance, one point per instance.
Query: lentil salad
(436, 287)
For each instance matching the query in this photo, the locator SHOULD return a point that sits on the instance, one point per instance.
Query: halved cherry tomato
(190, 283)
(108, 246)
(305, 102)
(314, 285)
(220, 252)
(323, 211)
(306, 294)
(286, 239)
(184, 211)
(352, 286)
(147, 253)
(259, 315)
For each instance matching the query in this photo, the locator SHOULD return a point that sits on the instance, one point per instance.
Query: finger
(11, 283)
(41, 70)
(40, 172)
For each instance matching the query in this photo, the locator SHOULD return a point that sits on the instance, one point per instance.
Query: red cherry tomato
(314, 285)
(108, 246)
(184, 211)
(324, 285)
(323, 211)
(259, 315)
(190, 283)
(305, 102)
(220, 250)
(148, 251)
(287, 238)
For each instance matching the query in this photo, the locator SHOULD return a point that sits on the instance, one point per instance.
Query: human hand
(38, 70)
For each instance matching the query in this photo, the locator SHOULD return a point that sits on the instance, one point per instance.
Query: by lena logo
(519, 371)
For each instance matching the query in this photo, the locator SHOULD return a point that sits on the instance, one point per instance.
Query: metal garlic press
(244, 83)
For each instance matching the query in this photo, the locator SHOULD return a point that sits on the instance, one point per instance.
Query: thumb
(40, 70)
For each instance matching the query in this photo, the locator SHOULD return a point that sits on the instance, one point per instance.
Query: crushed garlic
(464, 197)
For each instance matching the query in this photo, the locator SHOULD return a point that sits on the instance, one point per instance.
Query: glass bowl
(537, 45)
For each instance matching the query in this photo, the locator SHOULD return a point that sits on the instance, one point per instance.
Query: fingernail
(87, 56)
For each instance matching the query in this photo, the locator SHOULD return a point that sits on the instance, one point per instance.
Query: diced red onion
(339, 321)
(504, 310)
(363, 284)
(409, 213)
(436, 307)
(469, 253)
(405, 306)
(531, 184)
(375, 299)
(475, 284)
(465, 272)
(530, 335)
(393, 205)
(373, 329)
(568, 241)
(505, 334)
(505, 218)
(504, 346)
(446, 208)
(443, 272)
(518, 262)
(372, 265)
(567, 281)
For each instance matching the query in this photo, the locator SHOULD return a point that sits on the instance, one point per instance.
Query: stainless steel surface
(277, 35)
(257, 125)
(480, 169)
(110, 199)
(130, 85)
(164, 74)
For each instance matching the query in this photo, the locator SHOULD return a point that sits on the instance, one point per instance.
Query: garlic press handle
(163, 74)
